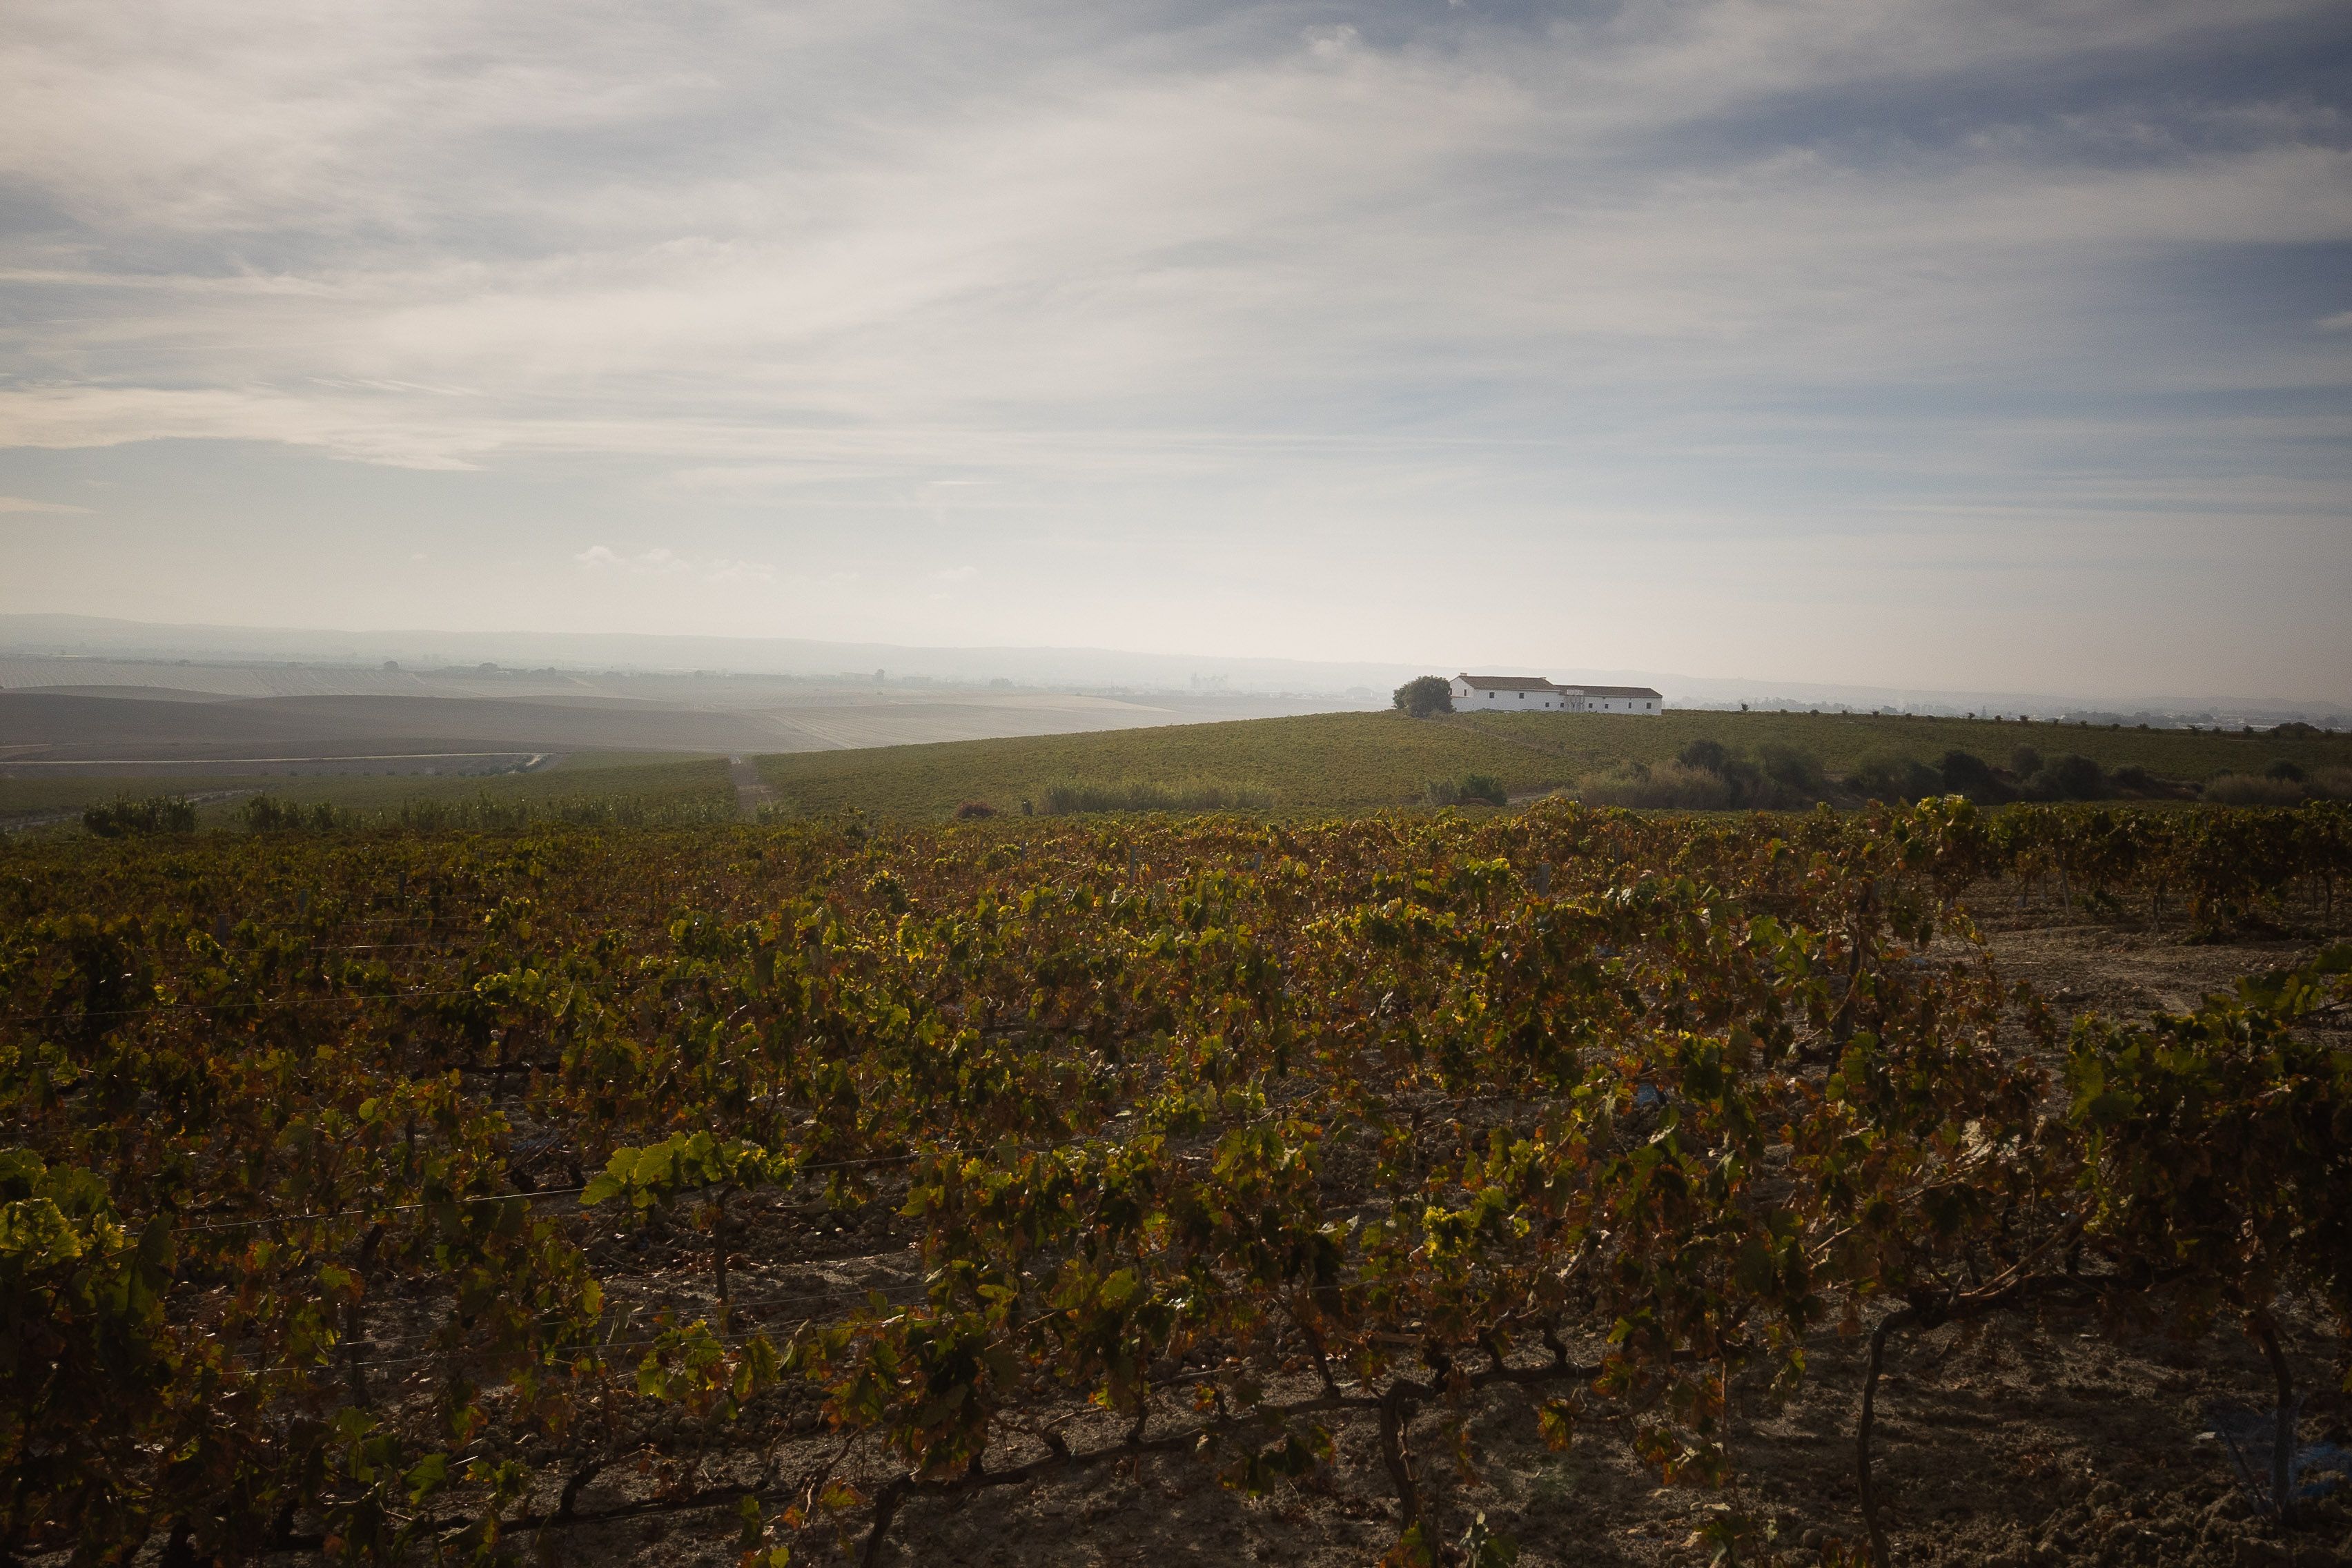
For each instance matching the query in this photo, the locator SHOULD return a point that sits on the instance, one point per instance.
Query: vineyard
(1326, 762)
(676, 788)
(1524, 1186)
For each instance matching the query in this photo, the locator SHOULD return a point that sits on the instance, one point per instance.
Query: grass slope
(1344, 762)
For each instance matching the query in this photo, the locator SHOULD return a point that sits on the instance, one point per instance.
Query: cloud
(955, 575)
(1333, 43)
(739, 571)
(604, 558)
(20, 503)
(662, 562)
(579, 230)
(1135, 288)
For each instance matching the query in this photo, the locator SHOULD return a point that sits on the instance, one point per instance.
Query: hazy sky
(1937, 343)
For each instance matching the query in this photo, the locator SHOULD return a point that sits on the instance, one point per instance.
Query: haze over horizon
(95, 653)
(1954, 346)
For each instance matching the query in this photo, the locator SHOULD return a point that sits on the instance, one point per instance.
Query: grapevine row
(1208, 1136)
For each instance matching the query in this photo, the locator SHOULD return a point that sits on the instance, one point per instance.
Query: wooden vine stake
(719, 1257)
(2283, 1437)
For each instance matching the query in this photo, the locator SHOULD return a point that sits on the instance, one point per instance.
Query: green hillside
(1343, 762)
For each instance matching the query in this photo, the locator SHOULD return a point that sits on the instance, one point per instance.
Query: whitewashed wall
(1469, 698)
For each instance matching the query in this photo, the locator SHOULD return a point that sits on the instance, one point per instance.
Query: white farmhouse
(1534, 694)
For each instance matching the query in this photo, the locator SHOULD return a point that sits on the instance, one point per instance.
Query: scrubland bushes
(2281, 785)
(2067, 777)
(128, 818)
(1669, 786)
(1706, 776)
(267, 814)
(1965, 773)
(1887, 777)
(1709, 776)
(1470, 789)
(2031, 776)
(2250, 789)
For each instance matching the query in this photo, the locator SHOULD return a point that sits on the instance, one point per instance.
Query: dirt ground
(2009, 1441)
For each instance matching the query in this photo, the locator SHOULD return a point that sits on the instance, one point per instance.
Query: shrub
(1895, 778)
(2247, 789)
(1669, 787)
(1745, 780)
(488, 812)
(1424, 695)
(1708, 776)
(267, 814)
(2284, 769)
(2330, 784)
(433, 815)
(1795, 772)
(1707, 756)
(2025, 761)
(1470, 789)
(971, 810)
(128, 818)
(1971, 775)
(1069, 796)
(2132, 777)
(2067, 777)
(2294, 730)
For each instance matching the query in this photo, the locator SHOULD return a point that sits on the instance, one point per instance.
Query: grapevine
(326, 1156)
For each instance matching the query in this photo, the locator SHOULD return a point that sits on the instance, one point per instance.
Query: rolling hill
(1353, 762)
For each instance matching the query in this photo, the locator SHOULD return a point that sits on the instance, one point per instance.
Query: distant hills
(1306, 684)
(90, 635)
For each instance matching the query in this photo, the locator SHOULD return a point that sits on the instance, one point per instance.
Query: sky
(1927, 343)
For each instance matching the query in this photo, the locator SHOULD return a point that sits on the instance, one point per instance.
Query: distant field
(46, 730)
(1320, 761)
(1343, 762)
(1324, 762)
(232, 720)
(619, 776)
